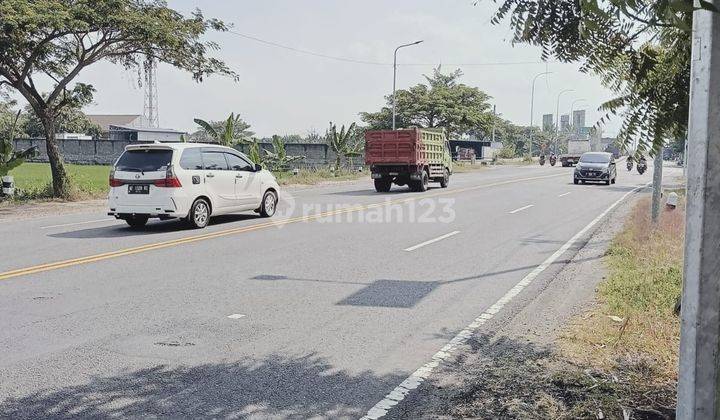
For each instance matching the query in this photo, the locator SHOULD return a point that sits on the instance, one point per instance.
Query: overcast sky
(285, 92)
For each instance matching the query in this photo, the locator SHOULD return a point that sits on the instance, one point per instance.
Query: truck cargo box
(413, 146)
(410, 157)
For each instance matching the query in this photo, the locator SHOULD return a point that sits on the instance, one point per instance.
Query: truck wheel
(422, 185)
(445, 179)
(575, 180)
(382, 184)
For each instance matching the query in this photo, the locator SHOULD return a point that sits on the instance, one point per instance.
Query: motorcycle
(553, 160)
(629, 165)
(542, 160)
(641, 166)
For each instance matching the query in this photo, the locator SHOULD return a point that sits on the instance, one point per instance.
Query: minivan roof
(174, 146)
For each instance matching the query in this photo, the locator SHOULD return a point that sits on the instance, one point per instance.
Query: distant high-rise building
(578, 120)
(548, 122)
(564, 122)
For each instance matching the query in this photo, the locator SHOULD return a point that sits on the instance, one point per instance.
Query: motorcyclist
(542, 159)
(553, 159)
(629, 163)
(641, 165)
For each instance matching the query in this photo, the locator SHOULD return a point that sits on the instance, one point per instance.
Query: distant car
(191, 181)
(596, 166)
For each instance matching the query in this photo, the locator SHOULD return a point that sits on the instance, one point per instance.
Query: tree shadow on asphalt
(514, 378)
(272, 387)
(402, 294)
(152, 228)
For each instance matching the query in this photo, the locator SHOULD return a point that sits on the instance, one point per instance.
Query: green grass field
(33, 180)
(91, 181)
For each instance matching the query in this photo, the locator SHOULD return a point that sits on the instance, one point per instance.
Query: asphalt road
(318, 312)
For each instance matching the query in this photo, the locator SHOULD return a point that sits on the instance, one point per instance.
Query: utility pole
(699, 376)
(532, 111)
(395, 76)
(494, 122)
(557, 116)
(657, 185)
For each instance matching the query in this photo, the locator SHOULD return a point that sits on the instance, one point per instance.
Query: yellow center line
(281, 222)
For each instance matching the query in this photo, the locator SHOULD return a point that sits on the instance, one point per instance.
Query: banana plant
(254, 152)
(343, 143)
(9, 159)
(278, 158)
(225, 135)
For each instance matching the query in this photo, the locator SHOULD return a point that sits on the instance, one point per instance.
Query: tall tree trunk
(60, 180)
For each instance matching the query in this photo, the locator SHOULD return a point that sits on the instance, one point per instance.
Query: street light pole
(532, 110)
(395, 76)
(557, 116)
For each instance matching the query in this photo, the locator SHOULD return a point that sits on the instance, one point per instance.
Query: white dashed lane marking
(236, 316)
(522, 208)
(439, 238)
(564, 194)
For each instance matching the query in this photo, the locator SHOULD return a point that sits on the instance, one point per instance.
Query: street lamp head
(417, 42)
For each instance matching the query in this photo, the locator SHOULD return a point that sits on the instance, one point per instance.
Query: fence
(104, 152)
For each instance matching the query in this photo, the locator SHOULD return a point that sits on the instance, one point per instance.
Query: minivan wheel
(137, 221)
(199, 215)
(269, 204)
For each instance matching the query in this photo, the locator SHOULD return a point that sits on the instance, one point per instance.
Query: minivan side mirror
(258, 167)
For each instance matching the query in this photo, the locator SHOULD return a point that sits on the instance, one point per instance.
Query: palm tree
(343, 143)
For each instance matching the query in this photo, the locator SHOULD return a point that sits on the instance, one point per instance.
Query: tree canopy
(442, 102)
(57, 39)
(640, 50)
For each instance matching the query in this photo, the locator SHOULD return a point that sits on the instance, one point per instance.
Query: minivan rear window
(147, 160)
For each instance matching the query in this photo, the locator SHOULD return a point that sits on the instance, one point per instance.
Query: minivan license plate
(138, 189)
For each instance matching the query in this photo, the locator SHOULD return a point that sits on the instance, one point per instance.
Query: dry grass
(643, 285)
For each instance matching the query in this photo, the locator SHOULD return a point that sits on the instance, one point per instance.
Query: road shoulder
(513, 370)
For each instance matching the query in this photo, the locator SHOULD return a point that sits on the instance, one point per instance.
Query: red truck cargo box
(393, 147)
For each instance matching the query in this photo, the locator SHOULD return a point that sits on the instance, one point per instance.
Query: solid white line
(78, 223)
(236, 316)
(413, 381)
(439, 238)
(564, 194)
(522, 208)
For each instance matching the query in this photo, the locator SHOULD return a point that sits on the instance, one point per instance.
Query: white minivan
(187, 180)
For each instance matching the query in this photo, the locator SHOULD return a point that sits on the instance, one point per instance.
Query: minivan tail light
(170, 180)
(114, 182)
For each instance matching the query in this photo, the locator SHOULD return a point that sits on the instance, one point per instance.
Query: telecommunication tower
(150, 110)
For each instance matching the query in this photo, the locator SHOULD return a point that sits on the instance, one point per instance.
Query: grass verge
(33, 180)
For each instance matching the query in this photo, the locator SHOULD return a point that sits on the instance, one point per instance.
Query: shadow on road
(153, 227)
(275, 386)
(403, 294)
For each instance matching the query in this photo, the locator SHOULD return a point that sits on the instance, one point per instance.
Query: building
(132, 127)
(548, 124)
(564, 122)
(578, 119)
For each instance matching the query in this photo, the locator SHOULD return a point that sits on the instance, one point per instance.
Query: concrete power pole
(699, 378)
(657, 185)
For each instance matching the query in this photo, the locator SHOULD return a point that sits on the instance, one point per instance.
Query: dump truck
(412, 157)
(575, 149)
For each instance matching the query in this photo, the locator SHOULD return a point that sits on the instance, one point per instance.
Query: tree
(344, 143)
(57, 39)
(640, 50)
(278, 158)
(228, 132)
(68, 120)
(442, 102)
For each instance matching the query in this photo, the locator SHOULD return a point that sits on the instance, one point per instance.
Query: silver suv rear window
(146, 160)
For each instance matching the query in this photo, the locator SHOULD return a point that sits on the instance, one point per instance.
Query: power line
(376, 63)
